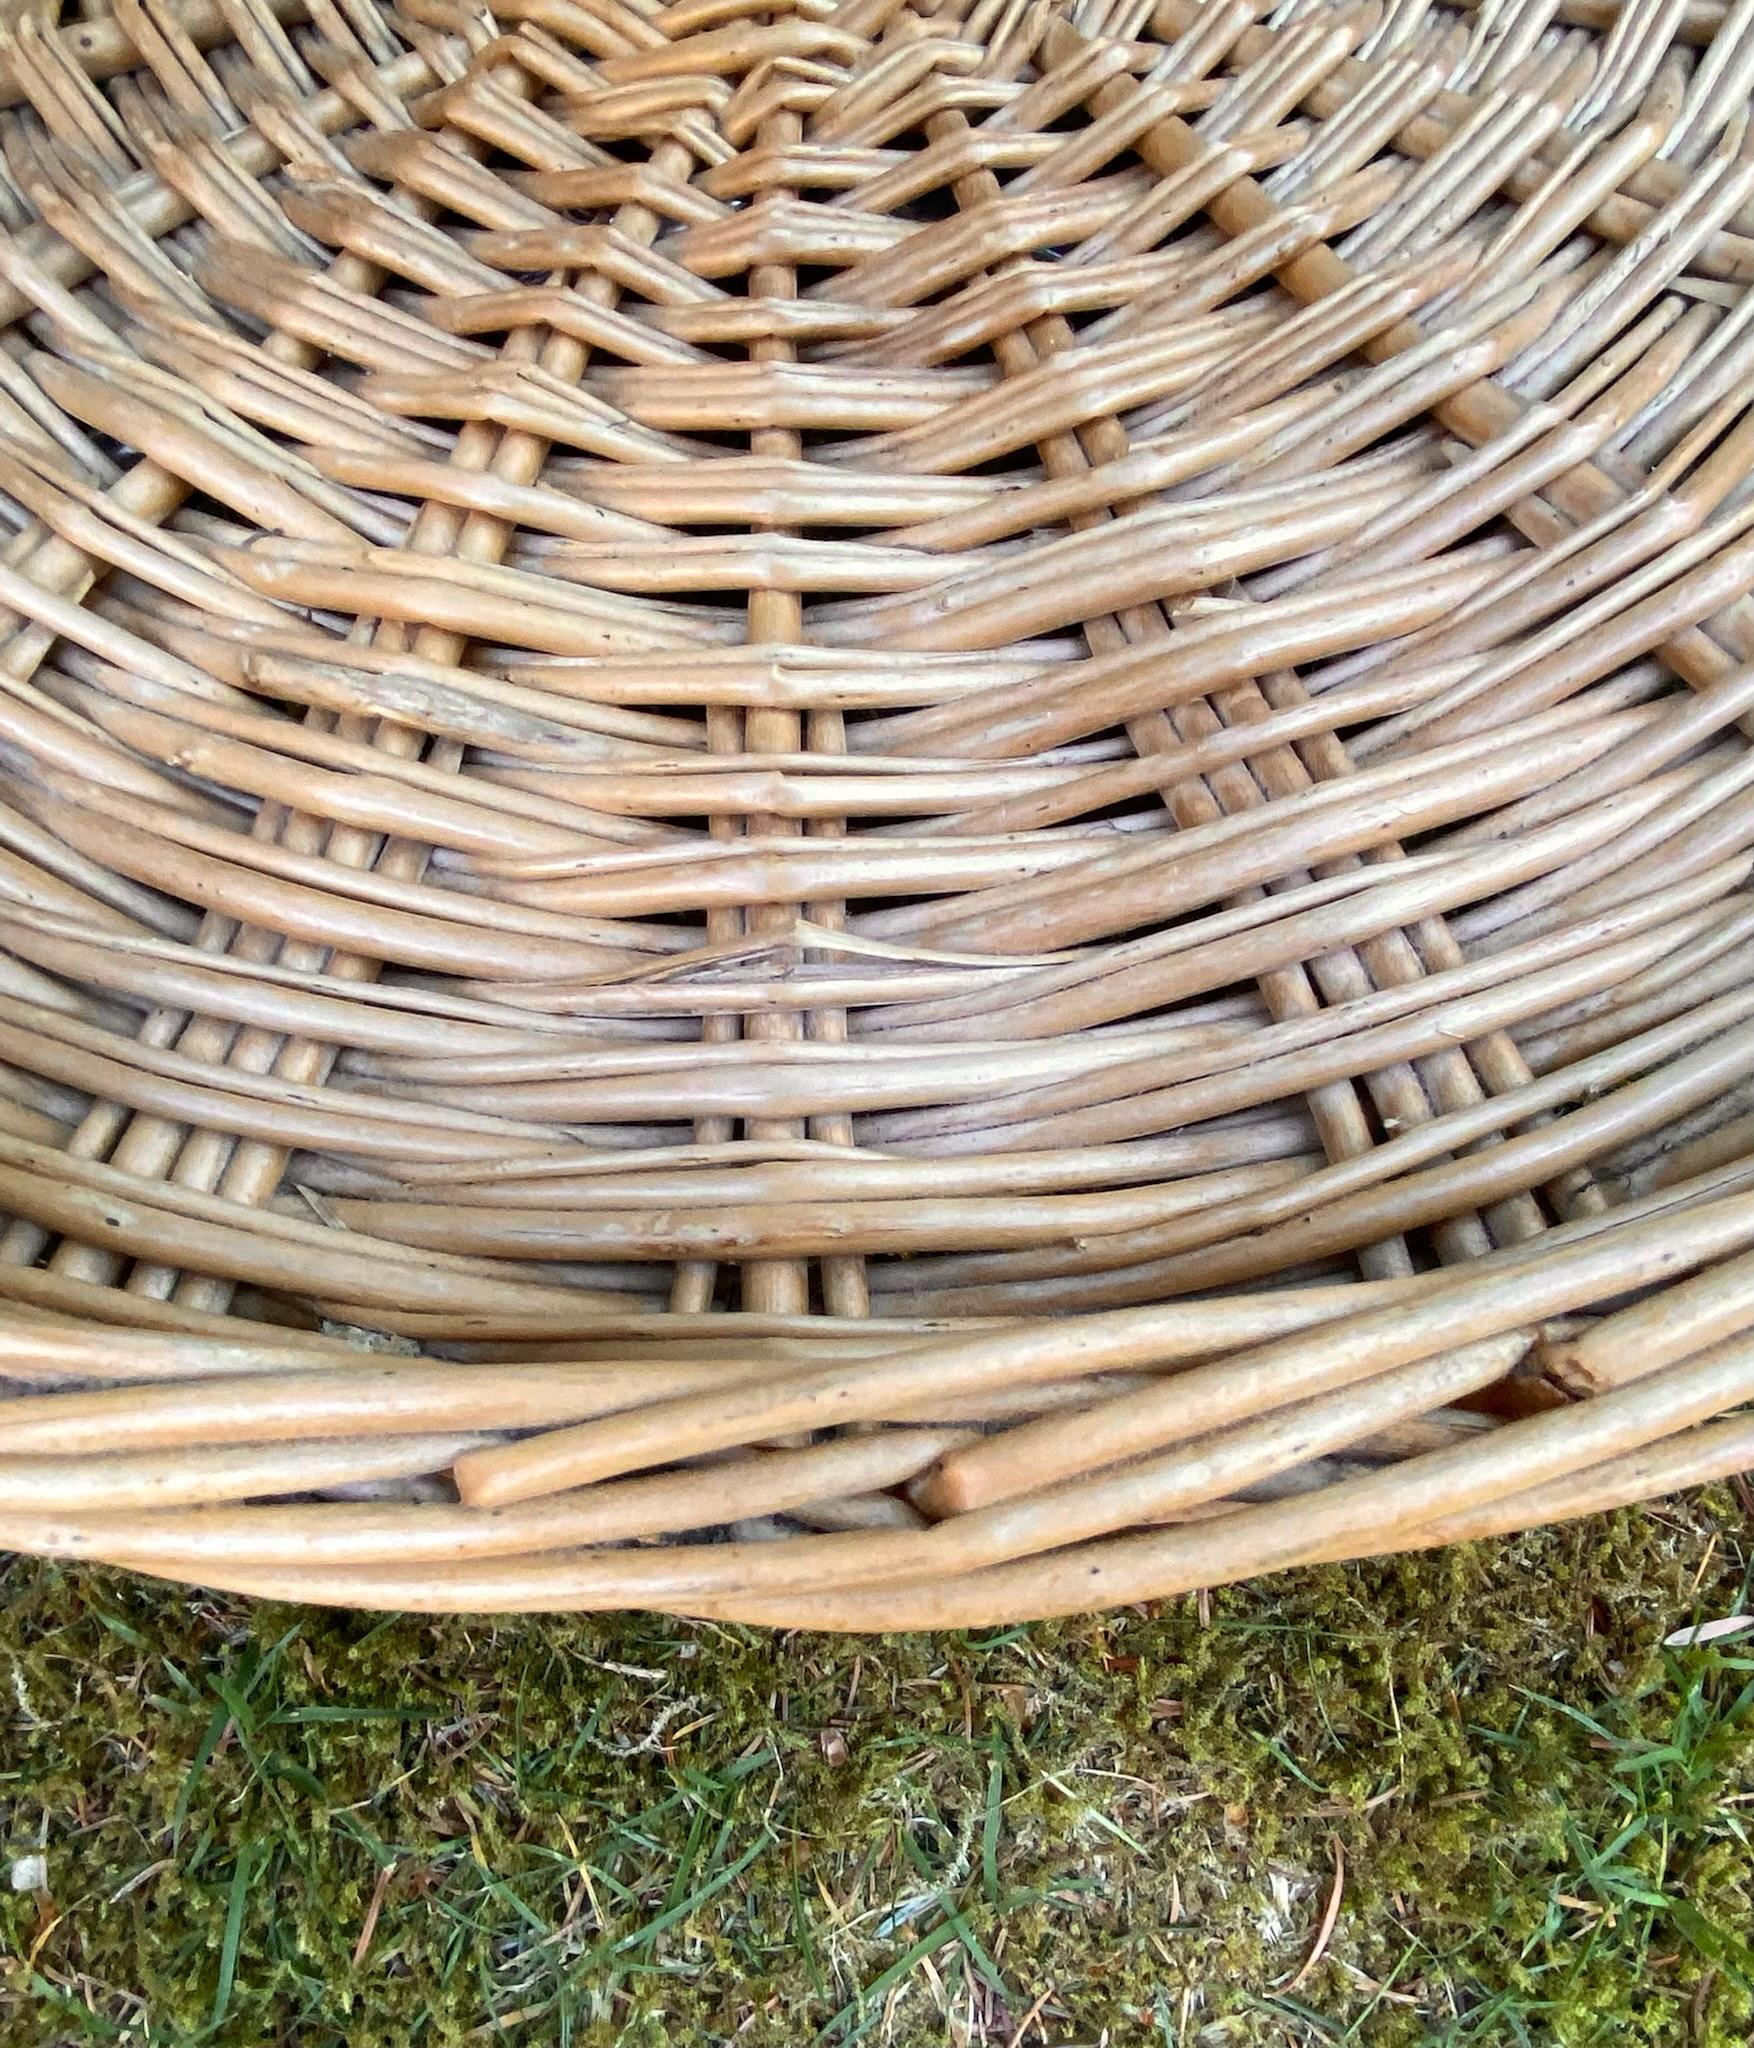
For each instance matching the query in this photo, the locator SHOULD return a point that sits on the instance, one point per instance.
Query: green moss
(638, 1831)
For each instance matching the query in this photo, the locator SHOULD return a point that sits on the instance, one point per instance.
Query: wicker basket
(969, 786)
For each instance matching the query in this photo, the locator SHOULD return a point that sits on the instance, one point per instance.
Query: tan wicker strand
(965, 781)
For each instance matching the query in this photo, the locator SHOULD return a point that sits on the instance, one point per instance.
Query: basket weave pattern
(968, 784)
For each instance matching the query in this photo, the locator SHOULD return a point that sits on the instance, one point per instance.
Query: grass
(268, 1825)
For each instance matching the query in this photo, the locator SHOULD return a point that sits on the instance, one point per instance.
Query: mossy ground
(264, 1825)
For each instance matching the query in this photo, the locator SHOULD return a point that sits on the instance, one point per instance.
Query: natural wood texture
(968, 783)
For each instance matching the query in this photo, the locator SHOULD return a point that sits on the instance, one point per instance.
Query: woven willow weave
(968, 785)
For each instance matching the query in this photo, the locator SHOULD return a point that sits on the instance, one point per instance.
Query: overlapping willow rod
(968, 783)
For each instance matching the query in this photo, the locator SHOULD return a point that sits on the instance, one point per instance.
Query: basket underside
(967, 785)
